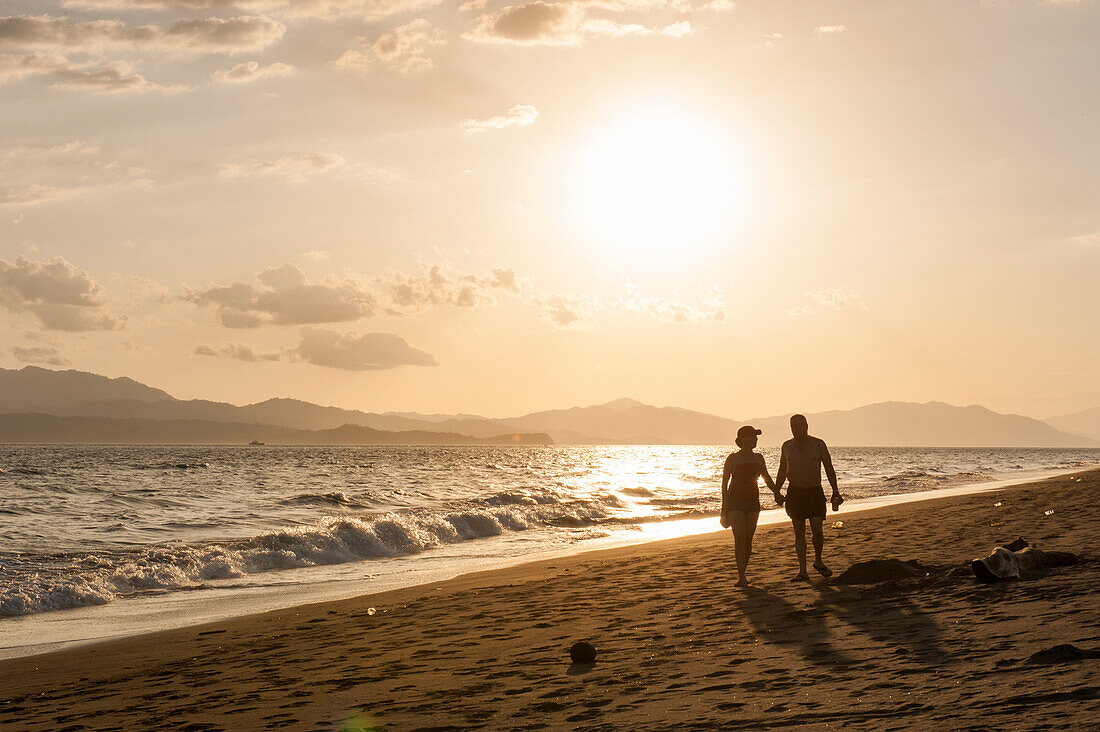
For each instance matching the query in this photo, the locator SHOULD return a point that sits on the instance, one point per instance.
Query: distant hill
(1085, 423)
(48, 428)
(932, 424)
(623, 421)
(31, 387)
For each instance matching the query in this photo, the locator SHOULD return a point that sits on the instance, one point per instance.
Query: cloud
(369, 10)
(292, 167)
(837, 299)
(236, 351)
(830, 299)
(59, 295)
(520, 115)
(208, 35)
(27, 195)
(771, 41)
(572, 311)
(830, 29)
(354, 352)
(287, 297)
(252, 71)
(116, 76)
(403, 49)
(559, 24)
(665, 310)
(39, 354)
(413, 293)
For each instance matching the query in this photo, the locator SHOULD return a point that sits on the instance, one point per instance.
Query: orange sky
(486, 207)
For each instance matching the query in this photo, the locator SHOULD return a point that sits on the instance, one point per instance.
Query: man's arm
(782, 474)
(827, 461)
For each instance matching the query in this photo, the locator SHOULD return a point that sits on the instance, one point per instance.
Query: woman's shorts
(805, 502)
(743, 506)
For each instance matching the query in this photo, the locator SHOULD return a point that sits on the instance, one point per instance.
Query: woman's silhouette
(741, 496)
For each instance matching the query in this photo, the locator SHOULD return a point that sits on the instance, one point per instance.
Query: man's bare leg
(819, 544)
(800, 547)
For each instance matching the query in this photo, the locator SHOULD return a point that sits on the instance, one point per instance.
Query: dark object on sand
(582, 652)
(880, 570)
(1062, 653)
(1017, 560)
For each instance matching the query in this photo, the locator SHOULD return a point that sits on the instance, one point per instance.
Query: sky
(745, 208)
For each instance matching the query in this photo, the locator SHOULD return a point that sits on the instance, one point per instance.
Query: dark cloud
(116, 76)
(354, 352)
(39, 354)
(207, 35)
(61, 296)
(236, 351)
(285, 296)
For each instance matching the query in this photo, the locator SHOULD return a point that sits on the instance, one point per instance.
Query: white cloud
(831, 299)
(666, 310)
(354, 352)
(403, 49)
(291, 167)
(55, 292)
(573, 311)
(520, 115)
(830, 29)
(252, 71)
(31, 194)
(208, 35)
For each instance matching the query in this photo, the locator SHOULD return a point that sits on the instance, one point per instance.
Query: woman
(741, 496)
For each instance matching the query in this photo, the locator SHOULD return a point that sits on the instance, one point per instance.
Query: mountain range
(129, 411)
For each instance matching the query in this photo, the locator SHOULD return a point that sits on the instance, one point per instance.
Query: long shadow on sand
(889, 618)
(778, 621)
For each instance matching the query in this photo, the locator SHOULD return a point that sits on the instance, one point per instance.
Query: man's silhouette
(801, 461)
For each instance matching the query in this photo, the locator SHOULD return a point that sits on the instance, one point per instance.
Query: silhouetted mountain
(623, 421)
(933, 424)
(47, 428)
(1086, 422)
(629, 421)
(32, 387)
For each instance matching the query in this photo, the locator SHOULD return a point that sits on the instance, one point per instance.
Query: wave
(335, 498)
(99, 578)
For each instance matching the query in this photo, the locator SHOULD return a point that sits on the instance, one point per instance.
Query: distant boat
(255, 442)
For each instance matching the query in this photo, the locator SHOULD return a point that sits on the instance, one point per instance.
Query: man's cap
(748, 430)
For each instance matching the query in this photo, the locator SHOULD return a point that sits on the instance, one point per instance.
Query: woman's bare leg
(742, 543)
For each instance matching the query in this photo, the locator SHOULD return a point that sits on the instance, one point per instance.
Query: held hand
(836, 500)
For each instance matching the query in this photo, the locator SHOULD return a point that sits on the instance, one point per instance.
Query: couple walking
(800, 462)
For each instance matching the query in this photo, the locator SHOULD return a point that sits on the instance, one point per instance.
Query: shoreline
(141, 616)
(489, 648)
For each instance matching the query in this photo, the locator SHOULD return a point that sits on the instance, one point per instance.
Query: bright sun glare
(658, 178)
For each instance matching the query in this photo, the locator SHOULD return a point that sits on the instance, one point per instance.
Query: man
(800, 461)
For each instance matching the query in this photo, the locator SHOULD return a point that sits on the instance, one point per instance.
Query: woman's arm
(768, 481)
(727, 473)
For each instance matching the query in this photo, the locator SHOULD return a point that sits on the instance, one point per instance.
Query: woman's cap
(748, 430)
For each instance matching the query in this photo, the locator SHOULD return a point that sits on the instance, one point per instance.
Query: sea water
(101, 541)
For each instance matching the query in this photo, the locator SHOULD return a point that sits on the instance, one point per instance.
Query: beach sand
(679, 646)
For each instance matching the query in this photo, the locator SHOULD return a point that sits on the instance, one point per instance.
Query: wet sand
(679, 646)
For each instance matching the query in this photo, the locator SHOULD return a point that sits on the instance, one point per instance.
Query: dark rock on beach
(1061, 653)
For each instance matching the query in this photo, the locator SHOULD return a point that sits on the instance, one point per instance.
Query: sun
(656, 178)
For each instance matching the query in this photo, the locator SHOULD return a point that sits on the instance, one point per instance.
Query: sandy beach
(679, 646)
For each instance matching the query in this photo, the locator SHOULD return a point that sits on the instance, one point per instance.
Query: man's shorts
(804, 502)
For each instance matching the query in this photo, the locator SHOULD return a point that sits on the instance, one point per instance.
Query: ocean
(100, 541)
